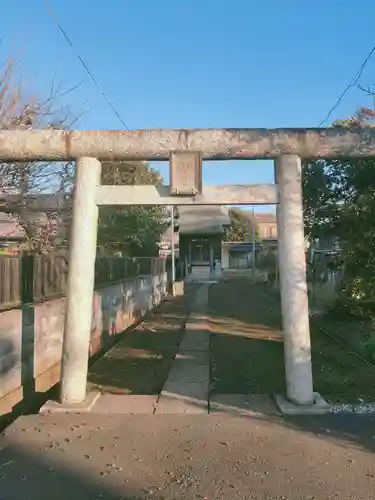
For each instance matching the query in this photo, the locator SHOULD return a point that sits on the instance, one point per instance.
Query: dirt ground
(246, 344)
(139, 363)
(247, 348)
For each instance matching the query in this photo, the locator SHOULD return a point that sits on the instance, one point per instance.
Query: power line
(351, 84)
(87, 69)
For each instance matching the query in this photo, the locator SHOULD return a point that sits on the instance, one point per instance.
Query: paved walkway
(208, 367)
(229, 357)
(162, 443)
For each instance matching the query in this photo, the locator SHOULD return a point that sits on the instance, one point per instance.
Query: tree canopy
(339, 200)
(131, 230)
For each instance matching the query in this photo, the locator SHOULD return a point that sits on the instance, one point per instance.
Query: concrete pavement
(187, 457)
(233, 446)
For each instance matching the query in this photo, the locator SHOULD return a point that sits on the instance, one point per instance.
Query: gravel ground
(185, 457)
(246, 344)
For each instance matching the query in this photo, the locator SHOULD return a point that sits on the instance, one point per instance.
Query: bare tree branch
(20, 111)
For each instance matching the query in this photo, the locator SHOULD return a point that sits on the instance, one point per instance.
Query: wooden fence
(32, 278)
(10, 281)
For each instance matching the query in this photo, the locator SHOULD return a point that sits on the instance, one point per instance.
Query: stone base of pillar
(125, 404)
(247, 405)
(84, 407)
(319, 407)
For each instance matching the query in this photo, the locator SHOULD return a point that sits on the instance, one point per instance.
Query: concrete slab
(196, 317)
(189, 370)
(320, 406)
(201, 298)
(187, 386)
(196, 324)
(183, 375)
(196, 358)
(127, 404)
(195, 340)
(171, 403)
(250, 405)
(84, 407)
(195, 390)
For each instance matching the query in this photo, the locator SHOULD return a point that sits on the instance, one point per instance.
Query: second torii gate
(185, 149)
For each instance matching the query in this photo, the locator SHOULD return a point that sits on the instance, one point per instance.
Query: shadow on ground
(350, 431)
(247, 348)
(139, 362)
(24, 474)
(246, 342)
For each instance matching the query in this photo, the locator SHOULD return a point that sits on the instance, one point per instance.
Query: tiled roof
(206, 219)
(265, 217)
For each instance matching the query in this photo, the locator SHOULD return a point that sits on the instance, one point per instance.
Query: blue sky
(207, 63)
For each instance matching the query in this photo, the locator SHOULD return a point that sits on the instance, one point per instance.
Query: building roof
(266, 218)
(205, 219)
(10, 202)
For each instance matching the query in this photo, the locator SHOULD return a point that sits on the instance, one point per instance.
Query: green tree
(132, 230)
(241, 226)
(339, 199)
(318, 199)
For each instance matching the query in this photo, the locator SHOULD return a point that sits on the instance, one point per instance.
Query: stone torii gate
(185, 149)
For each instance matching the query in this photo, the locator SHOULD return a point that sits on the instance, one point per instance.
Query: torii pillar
(293, 285)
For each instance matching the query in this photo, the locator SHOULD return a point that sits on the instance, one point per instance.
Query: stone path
(228, 358)
(186, 389)
(191, 384)
(204, 275)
